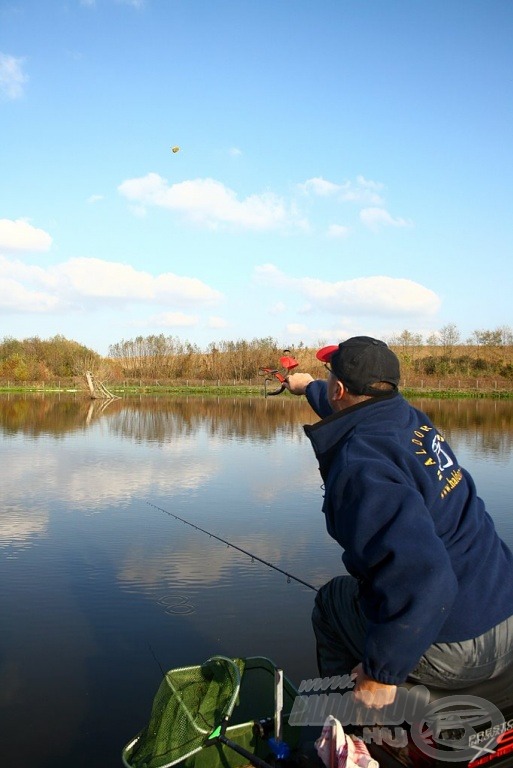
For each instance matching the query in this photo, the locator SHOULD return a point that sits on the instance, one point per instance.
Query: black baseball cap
(360, 362)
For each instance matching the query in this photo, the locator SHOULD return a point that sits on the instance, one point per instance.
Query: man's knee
(338, 592)
(335, 603)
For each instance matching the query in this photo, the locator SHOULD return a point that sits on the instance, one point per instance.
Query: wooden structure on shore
(97, 389)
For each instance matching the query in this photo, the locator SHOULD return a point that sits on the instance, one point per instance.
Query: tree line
(486, 353)
(36, 359)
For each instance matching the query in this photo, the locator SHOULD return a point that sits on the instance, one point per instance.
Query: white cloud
(217, 322)
(15, 297)
(369, 187)
(379, 295)
(173, 320)
(361, 190)
(361, 193)
(105, 279)
(209, 203)
(12, 77)
(94, 198)
(234, 152)
(296, 329)
(18, 270)
(338, 231)
(23, 288)
(75, 283)
(375, 218)
(19, 235)
(319, 186)
(278, 308)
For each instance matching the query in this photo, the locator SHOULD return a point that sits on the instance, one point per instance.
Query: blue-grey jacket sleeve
(317, 396)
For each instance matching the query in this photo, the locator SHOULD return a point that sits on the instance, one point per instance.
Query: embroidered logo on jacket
(431, 447)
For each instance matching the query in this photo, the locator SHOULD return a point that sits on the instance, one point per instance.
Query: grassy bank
(484, 390)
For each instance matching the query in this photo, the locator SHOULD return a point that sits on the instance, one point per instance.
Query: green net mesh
(189, 704)
(192, 702)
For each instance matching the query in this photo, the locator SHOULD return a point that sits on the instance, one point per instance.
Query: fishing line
(234, 546)
(158, 662)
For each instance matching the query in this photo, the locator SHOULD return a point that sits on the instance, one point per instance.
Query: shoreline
(245, 390)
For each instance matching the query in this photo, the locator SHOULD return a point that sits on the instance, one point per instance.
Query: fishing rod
(234, 546)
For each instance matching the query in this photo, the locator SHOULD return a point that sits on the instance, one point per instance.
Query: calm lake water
(99, 588)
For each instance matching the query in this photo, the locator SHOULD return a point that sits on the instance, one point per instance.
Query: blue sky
(345, 167)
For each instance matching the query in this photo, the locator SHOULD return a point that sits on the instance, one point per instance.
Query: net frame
(199, 705)
(254, 710)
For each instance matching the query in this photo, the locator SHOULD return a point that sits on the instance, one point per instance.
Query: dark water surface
(98, 587)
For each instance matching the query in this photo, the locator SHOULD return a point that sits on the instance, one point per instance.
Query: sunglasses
(329, 368)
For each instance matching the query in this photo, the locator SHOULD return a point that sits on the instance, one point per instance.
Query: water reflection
(183, 445)
(93, 461)
(157, 419)
(484, 427)
(20, 524)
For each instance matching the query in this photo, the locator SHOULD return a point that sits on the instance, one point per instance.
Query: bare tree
(449, 337)
(507, 335)
(484, 338)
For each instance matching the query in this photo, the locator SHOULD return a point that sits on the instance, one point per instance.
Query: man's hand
(297, 383)
(370, 692)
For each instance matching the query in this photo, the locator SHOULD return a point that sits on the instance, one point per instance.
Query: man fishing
(429, 595)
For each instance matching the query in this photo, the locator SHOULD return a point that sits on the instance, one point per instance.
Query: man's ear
(338, 394)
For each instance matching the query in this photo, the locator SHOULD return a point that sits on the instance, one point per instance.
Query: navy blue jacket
(415, 533)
